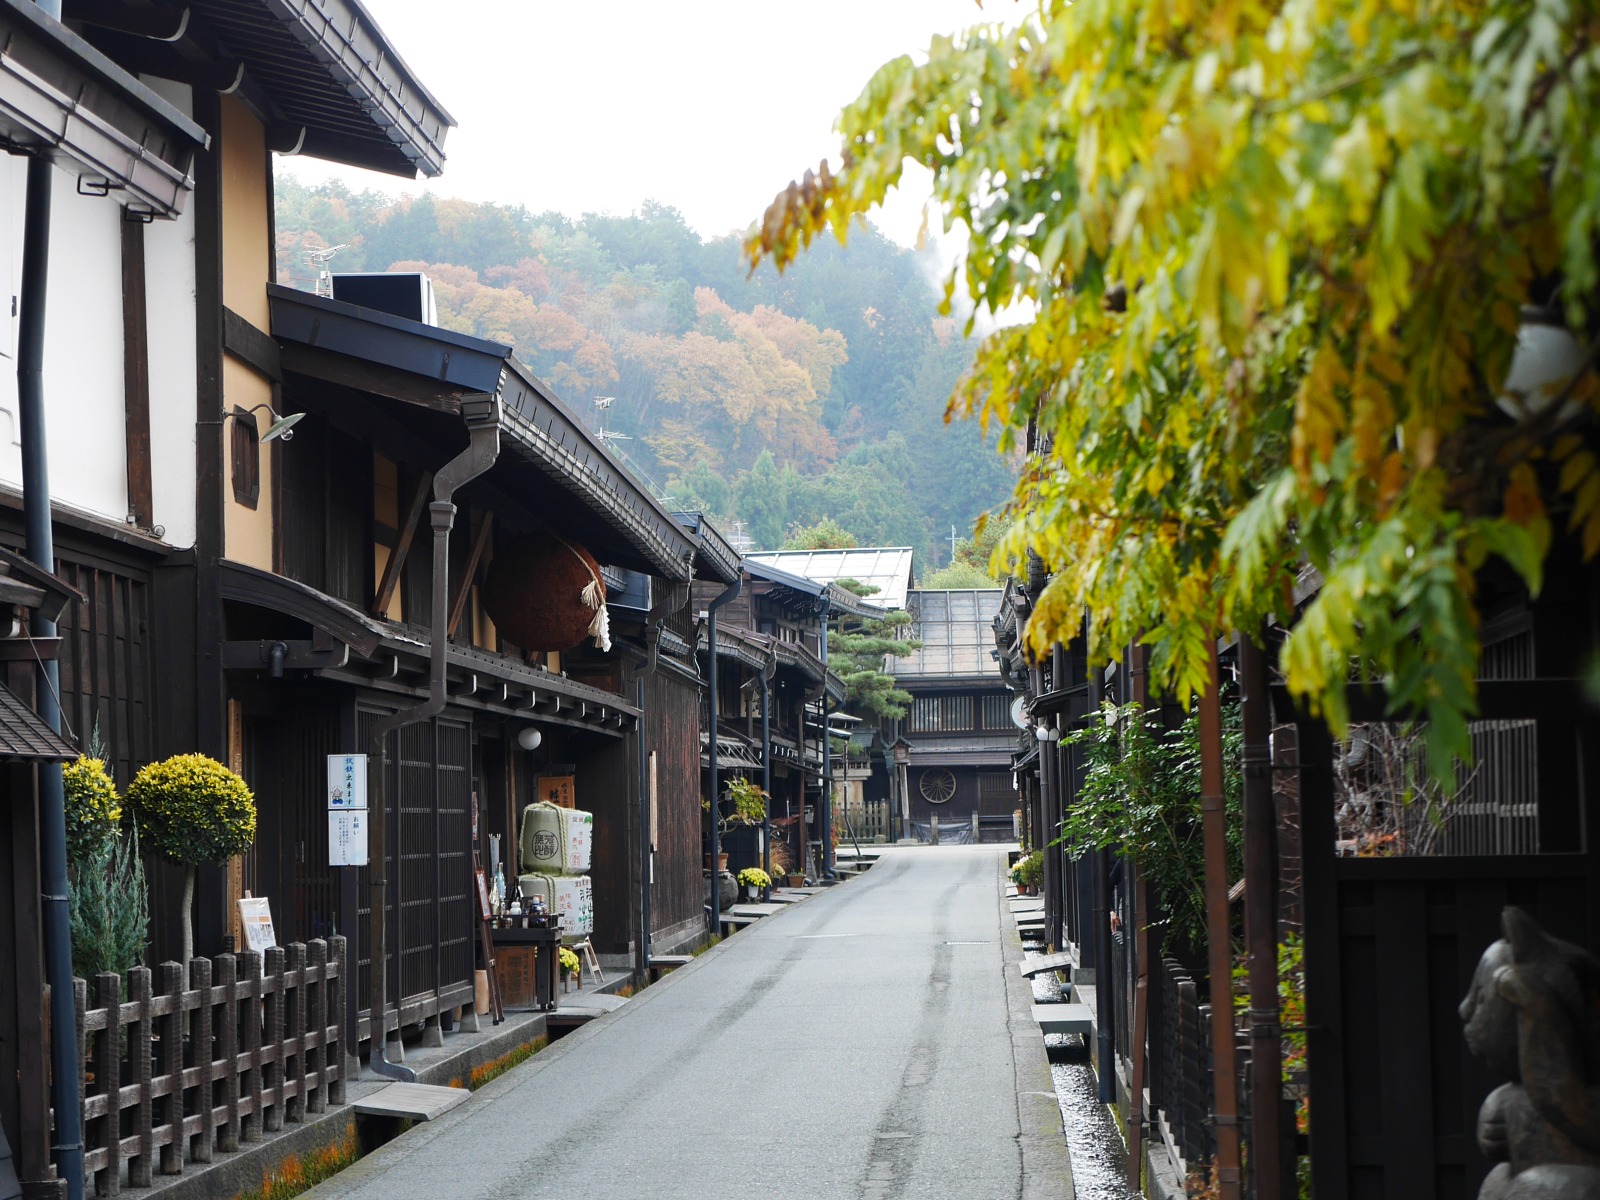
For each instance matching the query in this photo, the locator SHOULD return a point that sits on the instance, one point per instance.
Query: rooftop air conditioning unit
(406, 294)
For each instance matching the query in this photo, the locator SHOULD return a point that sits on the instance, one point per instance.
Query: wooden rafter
(397, 558)
(479, 545)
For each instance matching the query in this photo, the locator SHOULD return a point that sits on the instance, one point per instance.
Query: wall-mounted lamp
(1047, 733)
(281, 427)
(1546, 361)
(529, 738)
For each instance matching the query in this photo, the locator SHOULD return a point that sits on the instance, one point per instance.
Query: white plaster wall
(84, 412)
(169, 292)
(84, 422)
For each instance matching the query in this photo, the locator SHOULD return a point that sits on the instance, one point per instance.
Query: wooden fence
(1180, 1054)
(175, 1075)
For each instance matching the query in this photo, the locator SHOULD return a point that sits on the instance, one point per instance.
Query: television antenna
(319, 260)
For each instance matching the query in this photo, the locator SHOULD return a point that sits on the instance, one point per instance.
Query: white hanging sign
(347, 781)
(347, 837)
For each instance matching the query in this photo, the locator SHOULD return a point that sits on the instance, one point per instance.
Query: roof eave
(62, 98)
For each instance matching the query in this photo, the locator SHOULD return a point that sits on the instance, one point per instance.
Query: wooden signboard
(255, 915)
(559, 790)
(516, 965)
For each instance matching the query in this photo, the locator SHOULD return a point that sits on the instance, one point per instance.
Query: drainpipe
(641, 955)
(728, 594)
(1105, 1010)
(65, 1070)
(767, 673)
(482, 416)
(825, 815)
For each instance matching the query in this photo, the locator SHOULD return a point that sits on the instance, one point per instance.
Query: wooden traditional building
(324, 641)
(91, 152)
(959, 732)
(772, 631)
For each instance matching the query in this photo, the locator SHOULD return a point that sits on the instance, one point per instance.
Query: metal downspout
(641, 955)
(825, 813)
(1105, 1009)
(65, 1070)
(766, 758)
(482, 417)
(732, 590)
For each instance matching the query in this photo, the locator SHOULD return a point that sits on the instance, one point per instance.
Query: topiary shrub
(93, 809)
(192, 809)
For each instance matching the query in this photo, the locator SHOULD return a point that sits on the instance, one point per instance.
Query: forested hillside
(771, 401)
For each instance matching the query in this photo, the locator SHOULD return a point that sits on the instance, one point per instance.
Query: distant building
(887, 568)
(959, 732)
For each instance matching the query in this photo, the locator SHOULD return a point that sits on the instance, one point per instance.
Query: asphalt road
(868, 1044)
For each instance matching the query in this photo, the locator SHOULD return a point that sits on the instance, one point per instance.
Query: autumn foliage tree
(1274, 254)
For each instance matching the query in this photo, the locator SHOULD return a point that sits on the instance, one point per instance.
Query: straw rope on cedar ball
(544, 592)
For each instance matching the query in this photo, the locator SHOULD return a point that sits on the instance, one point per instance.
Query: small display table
(528, 962)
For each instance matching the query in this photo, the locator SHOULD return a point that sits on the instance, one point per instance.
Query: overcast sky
(710, 106)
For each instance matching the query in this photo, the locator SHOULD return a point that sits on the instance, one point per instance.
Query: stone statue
(1534, 1015)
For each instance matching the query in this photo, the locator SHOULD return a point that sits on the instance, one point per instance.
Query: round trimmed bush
(193, 810)
(93, 808)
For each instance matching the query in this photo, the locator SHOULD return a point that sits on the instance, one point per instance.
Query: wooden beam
(136, 375)
(397, 557)
(299, 655)
(372, 378)
(479, 544)
(251, 346)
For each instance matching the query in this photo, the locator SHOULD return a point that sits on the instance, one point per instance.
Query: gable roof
(888, 568)
(956, 629)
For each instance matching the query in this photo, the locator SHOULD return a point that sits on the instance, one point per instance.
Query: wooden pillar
(1213, 809)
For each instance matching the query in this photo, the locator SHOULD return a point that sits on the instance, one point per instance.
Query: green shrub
(110, 911)
(749, 802)
(193, 810)
(93, 810)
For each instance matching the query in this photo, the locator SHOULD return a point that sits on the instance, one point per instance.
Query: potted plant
(749, 803)
(754, 881)
(797, 878)
(1028, 874)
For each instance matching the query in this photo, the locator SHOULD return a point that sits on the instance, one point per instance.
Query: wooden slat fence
(175, 1075)
(1180, 1084)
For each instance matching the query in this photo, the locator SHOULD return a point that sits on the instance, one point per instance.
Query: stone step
(1038, 964)
(1063, 1018)
(414, 1101)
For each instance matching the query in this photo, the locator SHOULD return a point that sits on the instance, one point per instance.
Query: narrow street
(858, 1045)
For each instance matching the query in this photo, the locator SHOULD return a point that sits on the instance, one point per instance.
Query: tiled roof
(956, 629)
(24, 737)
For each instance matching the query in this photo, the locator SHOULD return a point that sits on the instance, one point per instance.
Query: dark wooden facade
(672, 701)
(1392, 942)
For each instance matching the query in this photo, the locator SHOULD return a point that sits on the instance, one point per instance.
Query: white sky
(710, 106)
